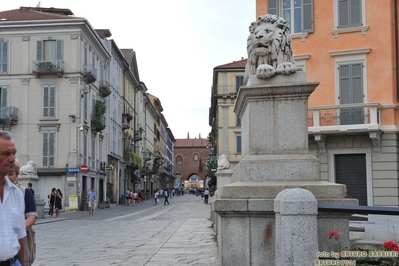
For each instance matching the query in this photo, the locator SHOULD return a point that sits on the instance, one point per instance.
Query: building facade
(353, 114)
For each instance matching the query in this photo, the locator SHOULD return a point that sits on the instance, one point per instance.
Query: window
(50, 50)
(351, 91)
(85, 106)
(238, 121)
(179, 159)
(195, 157)
(239, 82)
(4, 55)
(349, 13)
(238, 143)
(298, 13)
(49, 100)
(48, 148)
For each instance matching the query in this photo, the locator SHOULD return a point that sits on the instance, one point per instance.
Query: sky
(177, 44)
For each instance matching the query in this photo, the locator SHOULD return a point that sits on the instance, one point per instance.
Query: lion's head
(269, 45)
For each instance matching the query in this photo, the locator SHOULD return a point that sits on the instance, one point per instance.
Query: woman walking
(58, 203)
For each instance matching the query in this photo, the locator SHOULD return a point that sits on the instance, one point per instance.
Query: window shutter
(39, 55)
(357, 83)
(343, 13)
(273, 7)
(355, 13)
(307, 15)
(344, 78)
(52, 101)
(60, 49)
(4, 97)
(45, 148)
(4, 57)
(239, 82)
(51, 149)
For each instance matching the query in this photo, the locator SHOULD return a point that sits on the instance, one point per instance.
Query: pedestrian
(206, 195)
(91, 200)
(139, 196)
(156, 197)
(51, 201)
(30, 217)
(31, 189)
(166, 195)
(58, 202)
(127, 196)
(12, 227)
(135, 199)
(130, 196)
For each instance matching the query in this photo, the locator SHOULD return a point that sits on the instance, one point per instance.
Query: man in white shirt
(12, 207)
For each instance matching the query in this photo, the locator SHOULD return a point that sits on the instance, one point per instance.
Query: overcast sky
(177, 42)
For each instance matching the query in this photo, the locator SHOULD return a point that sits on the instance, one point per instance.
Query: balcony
(126, 118)
(98, 123)
(48, 67)
(89, 73)
(344, 119)
(104, 89)
(138, 135)
(9, 114)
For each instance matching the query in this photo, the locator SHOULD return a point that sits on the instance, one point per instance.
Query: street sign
(84, 168)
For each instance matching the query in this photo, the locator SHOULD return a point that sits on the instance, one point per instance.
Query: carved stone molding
(25, 81)
(376, 140)
(321, 142)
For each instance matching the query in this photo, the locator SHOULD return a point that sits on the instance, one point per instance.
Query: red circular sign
(84, 168)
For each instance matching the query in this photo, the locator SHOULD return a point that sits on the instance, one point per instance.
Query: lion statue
(223, 163)
(269, 48)
(28, 169)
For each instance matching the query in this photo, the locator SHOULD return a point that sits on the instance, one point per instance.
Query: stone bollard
(296, 227)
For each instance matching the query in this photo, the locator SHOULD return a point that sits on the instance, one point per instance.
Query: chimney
(188, 135)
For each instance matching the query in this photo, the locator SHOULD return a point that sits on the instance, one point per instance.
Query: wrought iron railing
(9, 112)
(339, 117)
(48, 66)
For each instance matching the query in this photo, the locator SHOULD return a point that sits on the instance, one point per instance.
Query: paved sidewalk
(146, 234)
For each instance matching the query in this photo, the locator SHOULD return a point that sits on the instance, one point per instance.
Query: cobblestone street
(146, 234)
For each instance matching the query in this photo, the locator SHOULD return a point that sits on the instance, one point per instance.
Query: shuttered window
(4, 55)
(351, 91)
(50, 50)
(49, 102)
(298, 13)
(349, 13)
(48, 148)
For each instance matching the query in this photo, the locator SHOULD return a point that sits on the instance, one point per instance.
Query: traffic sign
(84, 168)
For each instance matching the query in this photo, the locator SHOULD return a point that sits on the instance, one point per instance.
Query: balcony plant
(104, 91)
(100, 108)
(128, 116)
(44, 66)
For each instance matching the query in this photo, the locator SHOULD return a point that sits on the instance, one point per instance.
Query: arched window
(195, 156)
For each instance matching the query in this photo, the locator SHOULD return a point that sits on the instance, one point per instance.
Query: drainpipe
(395, 9)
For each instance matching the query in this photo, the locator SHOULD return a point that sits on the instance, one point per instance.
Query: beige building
(226, 125)
(75, 104)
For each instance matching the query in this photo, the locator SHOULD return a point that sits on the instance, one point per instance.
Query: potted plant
(104, 91)
(129, 117)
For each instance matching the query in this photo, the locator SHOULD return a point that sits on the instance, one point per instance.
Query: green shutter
(4, 46)
(355, 13)
(307, 15)
(4, 97)
(273, 7)
(39, 55)
(60, 49)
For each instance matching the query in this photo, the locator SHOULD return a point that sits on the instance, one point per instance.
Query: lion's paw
(286, 68)
(265, 71)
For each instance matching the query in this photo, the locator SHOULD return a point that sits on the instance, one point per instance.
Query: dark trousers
(51, 210)
(166, 201)
(206, 198)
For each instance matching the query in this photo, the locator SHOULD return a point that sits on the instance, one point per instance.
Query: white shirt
(12, 220)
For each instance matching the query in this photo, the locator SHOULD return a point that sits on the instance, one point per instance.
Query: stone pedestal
(274, 134)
